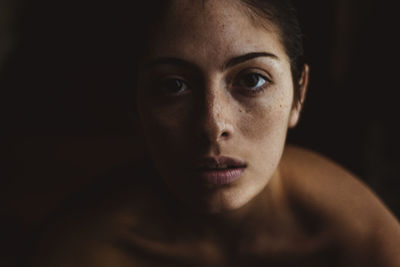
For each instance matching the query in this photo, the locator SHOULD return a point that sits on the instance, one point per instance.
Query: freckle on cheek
(262, 122)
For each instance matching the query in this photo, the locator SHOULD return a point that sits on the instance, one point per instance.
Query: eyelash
(257, 90)
(161, 85)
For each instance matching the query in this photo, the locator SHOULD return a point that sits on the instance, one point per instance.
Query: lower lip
(221, 177)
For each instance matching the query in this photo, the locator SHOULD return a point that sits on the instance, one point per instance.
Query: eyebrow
(243, 58)
(230, 63)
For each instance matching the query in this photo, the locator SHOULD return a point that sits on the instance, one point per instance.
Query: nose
(216, 117)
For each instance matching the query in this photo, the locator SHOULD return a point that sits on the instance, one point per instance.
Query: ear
(296, 108)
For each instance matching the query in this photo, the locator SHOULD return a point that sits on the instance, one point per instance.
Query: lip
(219, 170)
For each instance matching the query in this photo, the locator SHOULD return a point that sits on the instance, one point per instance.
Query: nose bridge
(217, 116)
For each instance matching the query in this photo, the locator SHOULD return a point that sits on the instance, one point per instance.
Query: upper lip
(221, 162)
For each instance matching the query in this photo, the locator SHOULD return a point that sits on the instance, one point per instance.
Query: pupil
(251, 80)
(173, 85)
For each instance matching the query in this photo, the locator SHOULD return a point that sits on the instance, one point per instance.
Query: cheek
(164, 121)
(264, 134)
(266, 120)
(162, 115)
(263, 127)
(164, 127)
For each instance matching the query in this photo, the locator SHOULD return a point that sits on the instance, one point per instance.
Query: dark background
(63, 122)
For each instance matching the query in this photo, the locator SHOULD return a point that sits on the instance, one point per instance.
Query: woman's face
(214, 103)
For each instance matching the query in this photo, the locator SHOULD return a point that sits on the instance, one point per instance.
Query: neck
(264, 210)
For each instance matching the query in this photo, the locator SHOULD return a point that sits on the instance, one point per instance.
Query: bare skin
(320, 215)
(290, 207)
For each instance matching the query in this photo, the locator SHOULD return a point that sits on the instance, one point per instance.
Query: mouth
(220, 170)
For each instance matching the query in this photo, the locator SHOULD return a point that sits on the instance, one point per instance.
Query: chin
(225, 201)
(214, 199)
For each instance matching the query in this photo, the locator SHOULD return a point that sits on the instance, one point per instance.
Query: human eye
(252, 82)
(171, 86)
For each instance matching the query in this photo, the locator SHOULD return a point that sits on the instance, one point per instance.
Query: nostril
(224, 134)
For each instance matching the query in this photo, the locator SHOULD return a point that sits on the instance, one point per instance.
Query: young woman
(219, 83)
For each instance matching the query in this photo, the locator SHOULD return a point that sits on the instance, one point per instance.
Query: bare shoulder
(354, 215)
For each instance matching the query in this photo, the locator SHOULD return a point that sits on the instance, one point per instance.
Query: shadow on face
(214, 85)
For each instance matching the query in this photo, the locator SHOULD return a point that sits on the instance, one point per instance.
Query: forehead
(212, 29)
